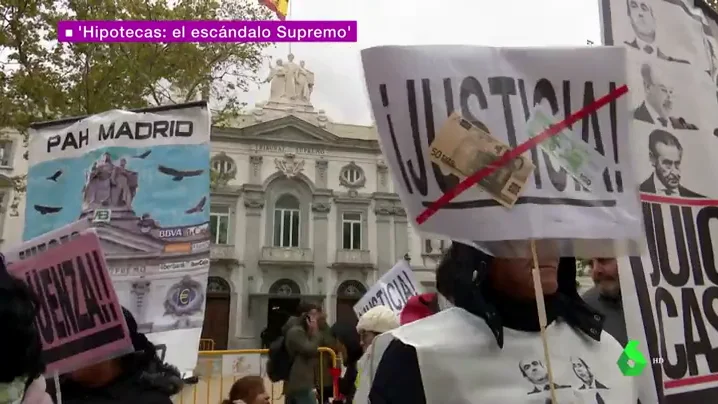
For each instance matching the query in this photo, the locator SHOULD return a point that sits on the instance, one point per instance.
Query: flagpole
(289, 14)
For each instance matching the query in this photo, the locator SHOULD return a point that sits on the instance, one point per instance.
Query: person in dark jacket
(21, 350)
(138, 378)
(302, 337)
(498, 291)
(347, 335)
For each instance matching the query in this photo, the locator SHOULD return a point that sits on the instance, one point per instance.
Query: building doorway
(348, 294)
(284, 297)
(216, 313)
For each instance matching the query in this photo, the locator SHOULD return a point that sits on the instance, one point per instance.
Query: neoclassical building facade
(306, 209)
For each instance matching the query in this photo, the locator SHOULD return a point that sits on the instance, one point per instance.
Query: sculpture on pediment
(290, 82)
(277, 78)
(305, 82)
(289, 165)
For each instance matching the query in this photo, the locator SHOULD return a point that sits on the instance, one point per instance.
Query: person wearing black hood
(487, 348)
(138, 378)
(348, 336)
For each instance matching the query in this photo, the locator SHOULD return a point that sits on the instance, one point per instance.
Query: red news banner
(79, 318)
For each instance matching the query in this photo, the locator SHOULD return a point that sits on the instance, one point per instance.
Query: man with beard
(666, 154)
(605, 297)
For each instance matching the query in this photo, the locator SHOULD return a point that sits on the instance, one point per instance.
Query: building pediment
(293, 129)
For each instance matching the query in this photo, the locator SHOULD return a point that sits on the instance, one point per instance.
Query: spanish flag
(280, 7)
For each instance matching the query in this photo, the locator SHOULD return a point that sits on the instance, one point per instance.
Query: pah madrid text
(207, 31)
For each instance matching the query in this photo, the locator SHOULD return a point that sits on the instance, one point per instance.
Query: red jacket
(418, 307)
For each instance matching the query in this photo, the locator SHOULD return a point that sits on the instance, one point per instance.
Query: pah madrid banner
(79, 317)
(141, 179)
(670, 293)
(448, 113)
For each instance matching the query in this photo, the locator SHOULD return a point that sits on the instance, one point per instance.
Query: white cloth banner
(142, 179)
(392, 290)
(414, 88)
(670, 293)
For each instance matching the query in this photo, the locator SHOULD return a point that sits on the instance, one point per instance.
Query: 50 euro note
(577, 157)
(463, 149)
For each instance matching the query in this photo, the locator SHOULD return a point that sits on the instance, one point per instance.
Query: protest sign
(392, 290)
(49, 240)
(79, 319)
(414, 89)
(142, 180)
(670, 292)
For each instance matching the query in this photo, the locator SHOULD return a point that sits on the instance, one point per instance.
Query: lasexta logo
(631, 362)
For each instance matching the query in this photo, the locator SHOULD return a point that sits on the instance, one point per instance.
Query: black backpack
(280, 361)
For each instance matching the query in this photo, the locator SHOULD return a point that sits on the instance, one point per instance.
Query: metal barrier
(216, 386)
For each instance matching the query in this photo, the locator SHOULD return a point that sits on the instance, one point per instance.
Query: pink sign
(79, 318)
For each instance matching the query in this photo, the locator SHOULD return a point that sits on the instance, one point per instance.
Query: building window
(352, 176)
(286, 221)
(435, 246)
(5, 153)
(351, 231)
(219, 224)
(222, 164)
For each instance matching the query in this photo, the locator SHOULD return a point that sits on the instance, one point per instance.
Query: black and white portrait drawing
(666, 153)
(657, 106)
(585, 375)
(535, 372)
(644, 22)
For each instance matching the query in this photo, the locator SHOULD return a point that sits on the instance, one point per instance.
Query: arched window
(218, 285)
(286, 221)
(285, 287)
(222, 164)
(351, 289)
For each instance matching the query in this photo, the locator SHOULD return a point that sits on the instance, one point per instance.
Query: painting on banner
(495, 94)
(79, 319)
(393, 290)
(670, 293)
(142, 180)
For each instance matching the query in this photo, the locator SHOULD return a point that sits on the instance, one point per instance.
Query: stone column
(382, 177)
(383, 213)
(321, 206)
(254, 205)
(321, 173)
(401, 233)
(255, 169)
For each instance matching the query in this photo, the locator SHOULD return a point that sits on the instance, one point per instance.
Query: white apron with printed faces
(461, 363)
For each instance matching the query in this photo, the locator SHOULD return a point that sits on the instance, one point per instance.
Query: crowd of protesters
(496, 292)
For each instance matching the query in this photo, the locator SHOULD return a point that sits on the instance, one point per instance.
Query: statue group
(109, 185)
(290, 82)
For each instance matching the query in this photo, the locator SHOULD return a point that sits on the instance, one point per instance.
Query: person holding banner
(137, 378)
(488, 348)
(21, 373)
